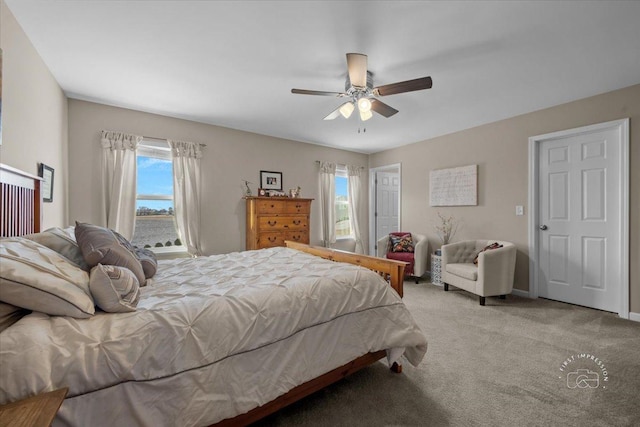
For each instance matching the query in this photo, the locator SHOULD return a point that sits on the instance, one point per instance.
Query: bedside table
(33, 411)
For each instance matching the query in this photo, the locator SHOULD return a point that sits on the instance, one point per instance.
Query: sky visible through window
(341, 186)
(155, 177)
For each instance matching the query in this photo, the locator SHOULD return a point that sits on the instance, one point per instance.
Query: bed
(219, 340)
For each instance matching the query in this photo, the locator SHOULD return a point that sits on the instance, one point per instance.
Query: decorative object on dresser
(271, 180)
(247, 190)
(271, 221)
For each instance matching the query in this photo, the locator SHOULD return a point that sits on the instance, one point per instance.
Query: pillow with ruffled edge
(61, 241)
(37, 278)
(402, 243)
(100, 245)
(114, 289)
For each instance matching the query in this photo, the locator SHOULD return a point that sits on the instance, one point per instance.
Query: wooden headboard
(21, 211)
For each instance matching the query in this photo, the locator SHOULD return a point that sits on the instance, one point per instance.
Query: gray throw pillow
(148, 260)
(100, 245)
(114, 289)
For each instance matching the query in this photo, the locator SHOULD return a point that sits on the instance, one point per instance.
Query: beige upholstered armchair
(417, 260)
(493, 274)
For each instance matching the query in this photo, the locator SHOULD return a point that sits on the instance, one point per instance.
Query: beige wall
(500, 151)
(34, 115)
(230, 157)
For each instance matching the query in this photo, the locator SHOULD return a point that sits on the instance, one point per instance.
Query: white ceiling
(233, 64)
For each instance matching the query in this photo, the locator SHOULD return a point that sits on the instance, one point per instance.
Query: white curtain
(328, 202)
(186, 192)
(355, 195)
(119, 181)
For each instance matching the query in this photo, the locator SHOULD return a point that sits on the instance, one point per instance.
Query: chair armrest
(382, 244)
(420, 255)
(496, 269)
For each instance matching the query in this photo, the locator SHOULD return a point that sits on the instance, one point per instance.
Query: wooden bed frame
(21, 214)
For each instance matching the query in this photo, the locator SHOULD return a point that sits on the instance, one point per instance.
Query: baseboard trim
(634, 316)
(520, 293)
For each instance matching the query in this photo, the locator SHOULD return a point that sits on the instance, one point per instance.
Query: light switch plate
(519, 210)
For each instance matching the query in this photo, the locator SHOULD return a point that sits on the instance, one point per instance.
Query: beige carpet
(497, 365)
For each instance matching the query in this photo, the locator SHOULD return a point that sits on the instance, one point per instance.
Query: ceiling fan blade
(382, 108)
(336, 113)
(402, 87)
(357, 66)
(317, 92)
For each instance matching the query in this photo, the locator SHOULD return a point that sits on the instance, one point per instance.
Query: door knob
(543, 227)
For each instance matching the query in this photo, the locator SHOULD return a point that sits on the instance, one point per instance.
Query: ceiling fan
(360, 92)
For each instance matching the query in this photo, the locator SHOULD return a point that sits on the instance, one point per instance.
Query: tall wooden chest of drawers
(272, 220)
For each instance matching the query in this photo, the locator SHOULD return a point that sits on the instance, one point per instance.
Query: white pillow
(63, 242)
(115, 289)
(37, 278)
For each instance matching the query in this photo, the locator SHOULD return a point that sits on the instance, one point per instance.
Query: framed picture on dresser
(271, 180)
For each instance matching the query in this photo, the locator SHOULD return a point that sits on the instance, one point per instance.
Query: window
(343, 224)
(155, 222)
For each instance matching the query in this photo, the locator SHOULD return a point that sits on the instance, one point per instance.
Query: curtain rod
(165, 139)
(318, 162)
(157, 139)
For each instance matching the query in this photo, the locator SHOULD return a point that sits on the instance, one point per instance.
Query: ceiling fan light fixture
(364, 105)
(365, 115)
(347, 109)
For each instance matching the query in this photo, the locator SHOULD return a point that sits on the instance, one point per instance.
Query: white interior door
(387, 210)
(384, 215)
(580, 202)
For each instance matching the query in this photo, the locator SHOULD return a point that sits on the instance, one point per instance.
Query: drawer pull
(296, 238)
(274, 223)
(298, 206)
(296, 222)
(272, 239)
(273, 206)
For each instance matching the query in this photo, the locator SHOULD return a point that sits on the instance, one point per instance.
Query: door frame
(534, 164)
(372, 202)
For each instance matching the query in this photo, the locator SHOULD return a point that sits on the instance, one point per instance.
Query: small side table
(436, 269)
(36, 411)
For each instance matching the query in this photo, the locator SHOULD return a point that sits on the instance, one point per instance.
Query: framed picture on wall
(271, 180)
(46, 173)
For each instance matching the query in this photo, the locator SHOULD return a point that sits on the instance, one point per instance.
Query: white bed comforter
(213, 337)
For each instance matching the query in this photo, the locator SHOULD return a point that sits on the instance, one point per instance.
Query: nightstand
(436, 269)
(36, 411)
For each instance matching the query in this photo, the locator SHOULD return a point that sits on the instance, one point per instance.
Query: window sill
(345, 238)
(168, 252)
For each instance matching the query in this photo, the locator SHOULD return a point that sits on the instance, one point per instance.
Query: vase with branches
(446, 228)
